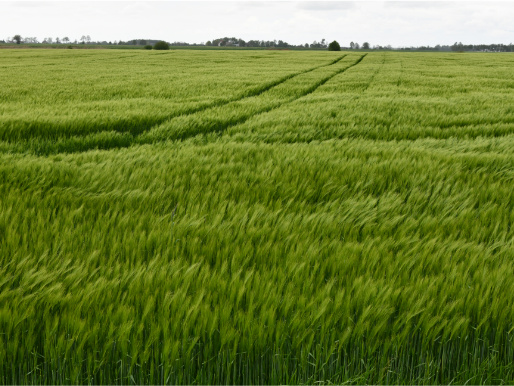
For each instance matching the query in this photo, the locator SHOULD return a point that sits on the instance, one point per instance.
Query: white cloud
(325, 5)
(403, 23)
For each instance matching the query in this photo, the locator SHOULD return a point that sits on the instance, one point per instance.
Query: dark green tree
(365, 46)
(162, 45)
(334, 46)
(17, 39)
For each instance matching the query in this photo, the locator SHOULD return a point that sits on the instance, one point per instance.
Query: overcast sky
(399, 23)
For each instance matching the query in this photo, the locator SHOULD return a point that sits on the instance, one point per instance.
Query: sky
(396, 23)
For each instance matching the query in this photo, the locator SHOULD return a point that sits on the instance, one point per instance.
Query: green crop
(243, 217)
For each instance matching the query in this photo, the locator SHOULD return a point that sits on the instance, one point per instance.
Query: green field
(260, 217)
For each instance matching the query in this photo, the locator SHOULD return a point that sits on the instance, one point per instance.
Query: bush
(147, 47)
(161, 46)
(69, 47)
(334, 46)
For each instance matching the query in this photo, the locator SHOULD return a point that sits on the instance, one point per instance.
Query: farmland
(265, 217)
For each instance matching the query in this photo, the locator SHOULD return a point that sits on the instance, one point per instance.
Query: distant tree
(30, 40)
(162, 45)
(356, 46)
(57, 40)
(83, 39)
(459, 47)
(65, 39)
(147, 47)
(17, 39)
(209, 43)
(334, 46)
(365, 46)
(316, 44)
(88, 38)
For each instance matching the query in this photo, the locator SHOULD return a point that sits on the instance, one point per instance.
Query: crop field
(256, 217)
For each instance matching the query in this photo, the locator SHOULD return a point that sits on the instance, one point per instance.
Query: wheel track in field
(250, 93)
(312, 89)
(136, 138)
(374, 75)
(220, 128)
(139, 128)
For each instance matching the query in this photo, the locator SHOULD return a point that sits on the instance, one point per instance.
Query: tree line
(237, 42)
(279, 44)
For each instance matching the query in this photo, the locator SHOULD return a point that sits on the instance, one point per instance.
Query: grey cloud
(418, 4)
(325, 5)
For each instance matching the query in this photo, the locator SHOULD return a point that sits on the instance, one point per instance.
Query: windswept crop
(256, 217)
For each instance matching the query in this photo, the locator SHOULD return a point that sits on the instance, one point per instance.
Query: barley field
(256, 217)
